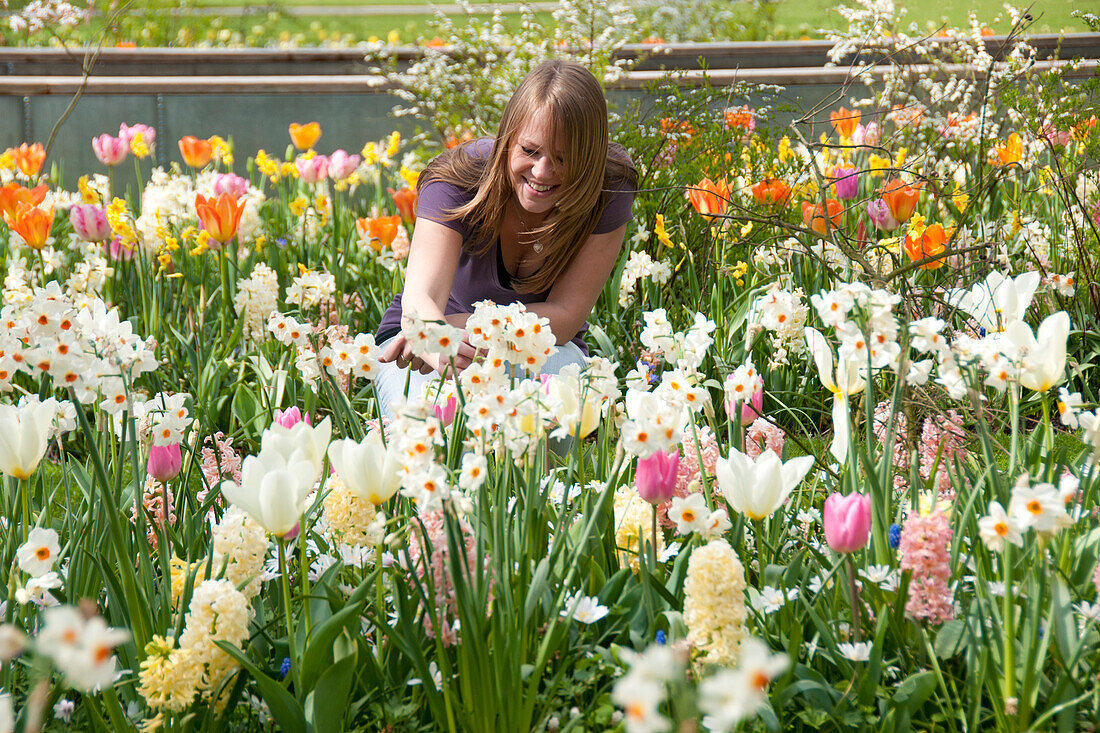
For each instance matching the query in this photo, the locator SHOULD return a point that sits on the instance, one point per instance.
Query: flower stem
(1009, 623)
(290, 636)
(854, 590)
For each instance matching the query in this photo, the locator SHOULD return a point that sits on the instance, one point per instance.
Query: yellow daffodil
(298, 206)
(659, 230)
(410, 176)
(394, 144)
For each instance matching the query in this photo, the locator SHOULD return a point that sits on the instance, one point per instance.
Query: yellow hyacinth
(714, 603)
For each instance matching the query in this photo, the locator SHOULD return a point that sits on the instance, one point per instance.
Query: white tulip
(998, 300)
(24, 435)
(757, 488)
(312, 442)
(273, 488)
(1042, 357)
(847, 380)
(369, 469)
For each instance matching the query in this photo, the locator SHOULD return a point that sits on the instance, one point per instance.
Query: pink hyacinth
(157, 501)
(219, 462)
(90, 222)
(311, 170)
(764, 435)
(429, 554)
(689, 478)
(230, 183)
(1096, 578)
(341, 165)
(924, 550)
(885, 417)
(944, 437)
(110, 150)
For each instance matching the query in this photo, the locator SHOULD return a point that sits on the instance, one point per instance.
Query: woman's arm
(429, 275)
(578, 288)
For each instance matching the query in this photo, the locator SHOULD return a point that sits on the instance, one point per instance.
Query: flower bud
(656, 476)
(847, 521)
(164, 462)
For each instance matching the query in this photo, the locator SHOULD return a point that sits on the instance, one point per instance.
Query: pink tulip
(311, 170)
(290, 418)
(129, 132)
(881, 216)
(656, 476)
(116, 250)
(230, 183)
(846, 182)
(753, 407)
(89, 222)
(847, 521)
(341, 165)
(446, 411)
(165, 462)
(110, 150)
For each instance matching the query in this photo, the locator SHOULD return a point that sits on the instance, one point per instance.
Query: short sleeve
(617, 212)
(435, 200)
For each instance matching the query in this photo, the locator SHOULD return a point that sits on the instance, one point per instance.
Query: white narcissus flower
(996, 301)
(847, 380)
(24, 435)
(998, 527)
(733, 695)
(1042, 355)
(1039, 507)
(37, 555)
(80, 648)
(757, 488)
(370, 469)
(690, 513)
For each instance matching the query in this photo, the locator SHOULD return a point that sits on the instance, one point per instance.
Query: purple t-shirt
(483, 276)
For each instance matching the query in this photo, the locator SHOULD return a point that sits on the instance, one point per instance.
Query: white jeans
(391, 379)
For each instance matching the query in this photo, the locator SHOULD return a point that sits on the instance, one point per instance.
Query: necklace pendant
(537, 246)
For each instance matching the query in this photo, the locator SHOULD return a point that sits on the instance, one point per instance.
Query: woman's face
(535, 165)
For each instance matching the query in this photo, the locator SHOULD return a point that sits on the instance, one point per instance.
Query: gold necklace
(536, 245)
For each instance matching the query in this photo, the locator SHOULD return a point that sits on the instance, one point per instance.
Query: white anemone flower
(24, 435)
(757, 488)
(370, 469)
(846, 381)
(1042, 356)
(998, 300)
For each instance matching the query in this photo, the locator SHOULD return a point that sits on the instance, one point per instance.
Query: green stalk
(1048, 430)
(1009, 621)
(290, 636)
(854, 590)
(25, 492)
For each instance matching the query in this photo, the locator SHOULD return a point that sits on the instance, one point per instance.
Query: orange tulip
(1009, 151)
(29, 158)
(196, 153)
(682, 127)
(219, 216)
(13, 194)
(771, 192)
(900, 198)
(844, 121)
(378, 232)
(927, 243)
(740, 117)
(813, 216)
(405, 199)
(709, 197)
(305, 137)
(31, 223)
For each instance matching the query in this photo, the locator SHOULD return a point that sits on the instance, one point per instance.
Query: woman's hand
(400, 352)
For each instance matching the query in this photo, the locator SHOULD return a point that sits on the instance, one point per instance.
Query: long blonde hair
(592, 170)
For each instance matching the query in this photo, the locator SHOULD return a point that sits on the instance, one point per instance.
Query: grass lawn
(1050, 15)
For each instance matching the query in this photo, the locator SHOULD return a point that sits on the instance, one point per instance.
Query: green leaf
(914, 690)
(285, 709)
(951, 639)
(318, 652)
(327, 704)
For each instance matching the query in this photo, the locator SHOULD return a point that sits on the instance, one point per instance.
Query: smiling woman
(534, 215)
